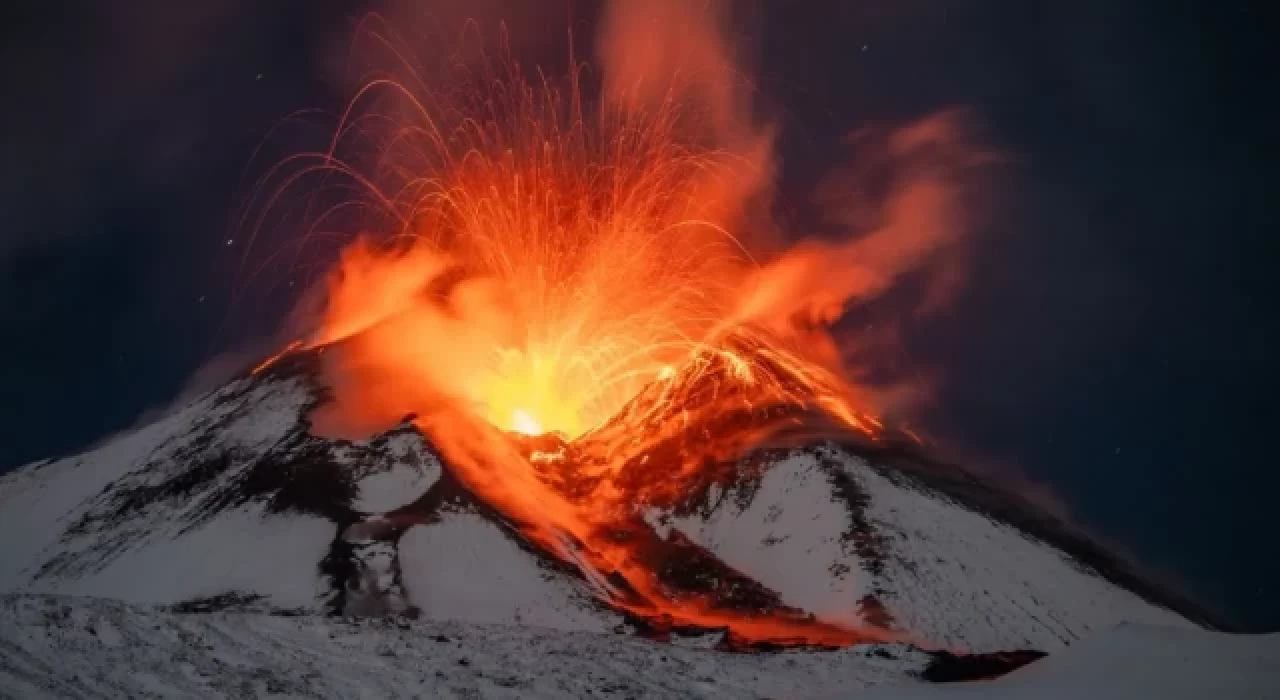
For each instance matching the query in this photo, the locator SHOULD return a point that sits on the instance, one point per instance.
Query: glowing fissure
(564, 301)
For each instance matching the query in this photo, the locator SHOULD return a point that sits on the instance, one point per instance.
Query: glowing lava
(524, 423)
(552, 262)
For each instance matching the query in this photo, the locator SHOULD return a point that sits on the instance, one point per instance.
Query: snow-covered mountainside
(854, 541)
(232, 499)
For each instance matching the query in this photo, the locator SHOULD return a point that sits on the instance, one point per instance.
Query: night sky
(1113, 341)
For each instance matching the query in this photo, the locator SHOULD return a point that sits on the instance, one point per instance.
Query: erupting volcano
(581, 261)
(566, 366)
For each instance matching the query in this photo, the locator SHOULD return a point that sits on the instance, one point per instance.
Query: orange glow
(275, 357)
(558, 271)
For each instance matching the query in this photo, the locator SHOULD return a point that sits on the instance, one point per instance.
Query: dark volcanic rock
(946, 667)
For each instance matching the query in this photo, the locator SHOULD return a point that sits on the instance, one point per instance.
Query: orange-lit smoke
(562, 261)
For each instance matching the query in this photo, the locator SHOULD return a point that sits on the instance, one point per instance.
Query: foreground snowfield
(62, 647)
(65, 647)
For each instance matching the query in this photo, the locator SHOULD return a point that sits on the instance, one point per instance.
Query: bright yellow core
(523, 422)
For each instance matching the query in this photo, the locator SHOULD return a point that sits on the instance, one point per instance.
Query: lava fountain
(564, 283)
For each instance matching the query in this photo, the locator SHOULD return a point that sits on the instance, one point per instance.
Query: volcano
(233, 502)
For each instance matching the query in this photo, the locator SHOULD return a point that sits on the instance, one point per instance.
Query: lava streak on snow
(568, 283)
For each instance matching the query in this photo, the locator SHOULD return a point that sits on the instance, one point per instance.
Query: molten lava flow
(275, 357)
(569, 268)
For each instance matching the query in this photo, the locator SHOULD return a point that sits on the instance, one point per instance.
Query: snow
(152, 554)
(240, 550)
(67, 647)
(466, 568)
(276, 408)
(411, 471)
(1129, 661)
(788, 537)
(962, 580)
(945, 574)
(38, 502)
(56, 647)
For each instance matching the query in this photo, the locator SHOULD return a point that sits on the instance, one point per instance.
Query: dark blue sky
(1114, 340)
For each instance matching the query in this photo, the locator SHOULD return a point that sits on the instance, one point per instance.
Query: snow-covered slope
(52, 647)
(836, 535)
(232, 498)
(466, 568)
(142, 519)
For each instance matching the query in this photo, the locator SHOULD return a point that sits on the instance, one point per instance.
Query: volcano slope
(231, 504)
